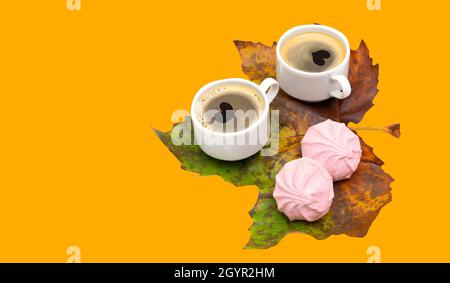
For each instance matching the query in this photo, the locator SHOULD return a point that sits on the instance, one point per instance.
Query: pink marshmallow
(335, 145)
(304, 190)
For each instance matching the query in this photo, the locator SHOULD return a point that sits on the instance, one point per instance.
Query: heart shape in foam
(320, 56)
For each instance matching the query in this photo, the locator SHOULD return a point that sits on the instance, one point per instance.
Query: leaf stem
(393, 129)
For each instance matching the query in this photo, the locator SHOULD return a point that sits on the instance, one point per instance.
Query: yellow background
(81, 91)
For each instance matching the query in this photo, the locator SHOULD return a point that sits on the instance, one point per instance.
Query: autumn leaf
(357, 201)
(258, 60)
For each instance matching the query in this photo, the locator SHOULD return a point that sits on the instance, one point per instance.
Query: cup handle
(270, 88)
(345, 88)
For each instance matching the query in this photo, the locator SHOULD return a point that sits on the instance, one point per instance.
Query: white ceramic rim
(230, 81)
(313, 28)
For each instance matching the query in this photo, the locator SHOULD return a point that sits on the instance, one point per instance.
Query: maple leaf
(357, 201)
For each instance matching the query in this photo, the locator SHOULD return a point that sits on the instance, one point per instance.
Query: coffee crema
(229, 108)
(313, 52)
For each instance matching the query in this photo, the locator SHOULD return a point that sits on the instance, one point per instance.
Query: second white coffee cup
(241, 144)
(310, 86)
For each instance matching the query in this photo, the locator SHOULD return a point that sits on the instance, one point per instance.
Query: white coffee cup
(308, 86)
(241, 144)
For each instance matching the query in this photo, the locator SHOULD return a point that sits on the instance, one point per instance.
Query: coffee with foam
(313, 52)
(229, 108)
